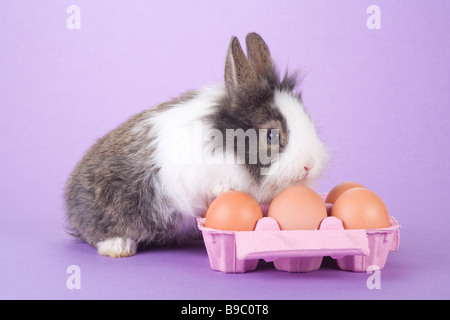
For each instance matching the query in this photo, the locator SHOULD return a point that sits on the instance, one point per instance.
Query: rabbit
(147, 181)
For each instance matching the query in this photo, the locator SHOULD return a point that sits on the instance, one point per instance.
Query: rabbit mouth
(302, 177)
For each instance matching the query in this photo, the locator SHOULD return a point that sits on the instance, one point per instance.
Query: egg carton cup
(299, 250)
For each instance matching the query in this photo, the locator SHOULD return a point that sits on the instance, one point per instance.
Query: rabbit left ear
(238, 71)
(258, 54)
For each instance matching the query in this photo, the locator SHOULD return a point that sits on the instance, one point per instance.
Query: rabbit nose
(309, 166)
(305, 174)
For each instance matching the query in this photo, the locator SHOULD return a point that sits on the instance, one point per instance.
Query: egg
(298, 208)
(233, 210)
(340, 189)
(361, 208)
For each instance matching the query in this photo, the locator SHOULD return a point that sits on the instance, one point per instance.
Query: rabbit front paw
(117, 247)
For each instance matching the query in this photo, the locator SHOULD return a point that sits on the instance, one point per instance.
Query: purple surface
(380, 98)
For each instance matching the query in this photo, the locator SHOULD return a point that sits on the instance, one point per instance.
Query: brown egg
(233, 210)
(361, 208)
(340, 189)
(298, 208)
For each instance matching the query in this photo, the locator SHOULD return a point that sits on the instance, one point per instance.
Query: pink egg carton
(299, 250)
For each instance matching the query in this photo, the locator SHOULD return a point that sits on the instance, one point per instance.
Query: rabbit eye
(273, 136)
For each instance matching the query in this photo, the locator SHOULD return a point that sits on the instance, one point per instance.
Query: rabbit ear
(238, 71)
(258, 54)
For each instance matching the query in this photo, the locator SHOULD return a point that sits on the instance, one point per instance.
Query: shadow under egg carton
(299, 250)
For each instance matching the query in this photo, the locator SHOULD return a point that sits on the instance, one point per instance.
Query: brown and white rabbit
(147, 180)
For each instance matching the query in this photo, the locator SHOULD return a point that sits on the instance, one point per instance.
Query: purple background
(379, 97)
